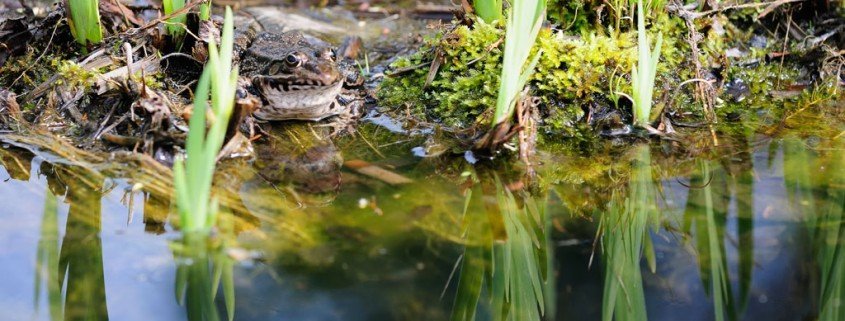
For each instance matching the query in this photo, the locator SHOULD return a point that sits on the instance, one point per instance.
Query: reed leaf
(84, 21)
(193, 178)
(525, 18)
(205, 10)
(175, 25)
(644, 73)
(488, 10)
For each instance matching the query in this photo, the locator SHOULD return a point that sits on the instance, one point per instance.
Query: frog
(296, 77)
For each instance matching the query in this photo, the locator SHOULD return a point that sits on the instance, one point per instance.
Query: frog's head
(292, 73)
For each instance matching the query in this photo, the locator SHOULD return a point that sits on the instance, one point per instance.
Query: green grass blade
(229, 287)
(205, 11)
(202, 146)
(84, 21)
(176, 25)
(488, 10)
(524, 21)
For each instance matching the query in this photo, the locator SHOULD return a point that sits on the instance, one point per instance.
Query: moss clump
(575, 68)
(572, 72)
(74, 75)
(572, 14)
(466, 84)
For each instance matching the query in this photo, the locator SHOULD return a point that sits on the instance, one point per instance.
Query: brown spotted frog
(297, 78)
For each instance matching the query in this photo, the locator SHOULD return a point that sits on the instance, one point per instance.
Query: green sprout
(205, 10)
(524, 21)
(192, 177)
(642, 77)
(488, 10)
(84, 20)
(175, 25)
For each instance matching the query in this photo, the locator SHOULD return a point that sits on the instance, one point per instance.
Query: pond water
(753, 233)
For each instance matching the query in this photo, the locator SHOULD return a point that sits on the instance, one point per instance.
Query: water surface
(754, 233)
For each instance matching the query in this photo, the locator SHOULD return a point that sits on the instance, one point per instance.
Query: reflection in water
(815, 187)
(512, 264)
(343, 260)
(16, 162)
(74, 270)
(302, 161)
(706, 214)
(202, 266)
(47, 259)
(624, 238)
(713, 188)
(156, 209)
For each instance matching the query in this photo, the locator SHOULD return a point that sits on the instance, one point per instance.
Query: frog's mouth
(296, 98)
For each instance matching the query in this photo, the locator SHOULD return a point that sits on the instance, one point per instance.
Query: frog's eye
(293, 60)
(333, 54)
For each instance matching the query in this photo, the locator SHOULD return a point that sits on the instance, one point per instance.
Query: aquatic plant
(176, 25)
(488, 10)
(625, 239)
(192, 178)
(525, 18)
(202, 269)
(512, 265)
(642, 76)
(84, 21)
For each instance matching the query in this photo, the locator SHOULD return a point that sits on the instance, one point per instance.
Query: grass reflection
(202, 266)
(815, 181)
(713, 189)
(82, 254)
(72, 271)
(509, 275)
(47, 259)
(830, 237)
(624, 239)
(705, 218)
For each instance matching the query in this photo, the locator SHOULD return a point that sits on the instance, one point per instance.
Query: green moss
(574, 15)
(574, 68)
(572, 73)
(578, 73)
(74, 75)
(26, 71)
(466, 84)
